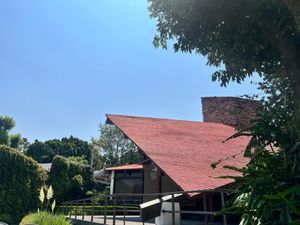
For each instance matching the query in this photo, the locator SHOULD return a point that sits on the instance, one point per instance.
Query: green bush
(20, 181)
(6, 218)
(70, 180)
(44, 218)
(77, 184)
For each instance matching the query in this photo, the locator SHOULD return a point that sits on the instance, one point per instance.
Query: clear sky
(65, 64)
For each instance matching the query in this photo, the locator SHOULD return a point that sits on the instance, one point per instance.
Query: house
(179, 153)
(127, 179)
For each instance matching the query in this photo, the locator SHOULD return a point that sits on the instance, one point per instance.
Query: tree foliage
(247, 37)
(70, 180)
(44, 152)
(96, 158)
(78, 159)
(20, 181)
(6, 125)
(115, 148)
(268, 192)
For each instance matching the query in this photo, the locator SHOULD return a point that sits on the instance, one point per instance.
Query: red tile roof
(184, 150)
(125, 167)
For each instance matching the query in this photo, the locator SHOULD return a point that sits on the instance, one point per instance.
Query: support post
(83, 208)
(93, 206)
(124, 216)
(223, 203)
(76, 210)
(70, 210)
(105, 208)
(205, 209)
(65, 209)
(210, 207)
(114, 211)
(173, 210)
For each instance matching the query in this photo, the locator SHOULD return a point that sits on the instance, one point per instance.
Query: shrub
(20, 181)
(44, 218)
(69, 179)
(77, 184)
(6, 218)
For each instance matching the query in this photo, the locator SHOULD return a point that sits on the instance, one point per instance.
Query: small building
(127, 179)
(180, 153)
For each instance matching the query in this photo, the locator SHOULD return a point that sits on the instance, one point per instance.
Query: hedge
(70, 180)
(20, 181)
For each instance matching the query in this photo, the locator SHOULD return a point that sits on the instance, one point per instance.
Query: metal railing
(124, 204)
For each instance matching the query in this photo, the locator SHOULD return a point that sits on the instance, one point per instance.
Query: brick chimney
(232, 111)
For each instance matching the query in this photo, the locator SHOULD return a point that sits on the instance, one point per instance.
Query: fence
(125, 204)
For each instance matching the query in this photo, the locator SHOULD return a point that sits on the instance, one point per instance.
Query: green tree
(6, 125)
(259, 36)
(96, 158)
(24, 144)
(243, 38)
(69, 179)
(21, 180)
(44, 152)
(115, 148)
(79, 159)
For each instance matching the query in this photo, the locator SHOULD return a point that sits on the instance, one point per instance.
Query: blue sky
(65, 64)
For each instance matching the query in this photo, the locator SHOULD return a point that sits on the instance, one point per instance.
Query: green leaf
(283, 193)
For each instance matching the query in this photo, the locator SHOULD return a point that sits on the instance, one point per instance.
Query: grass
(44, 218)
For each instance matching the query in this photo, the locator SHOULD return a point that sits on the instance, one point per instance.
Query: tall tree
(44, 152)
(96, 158)
(6, 125)
(261, 36)
(247, 37)
(115, 148)
(24, 144)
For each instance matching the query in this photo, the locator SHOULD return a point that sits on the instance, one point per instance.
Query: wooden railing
(128, 204)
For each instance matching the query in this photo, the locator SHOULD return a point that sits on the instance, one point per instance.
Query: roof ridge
(166, 119)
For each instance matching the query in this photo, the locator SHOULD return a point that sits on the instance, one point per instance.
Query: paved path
(129, 220)
(135, 220)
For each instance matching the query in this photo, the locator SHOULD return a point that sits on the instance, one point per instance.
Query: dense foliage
(78, 159)
(43, 152)
(268, 192)
(70, 180)
(246, 37)
(20, 181)
(6, 125)
(44, 218)
(115, 149)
